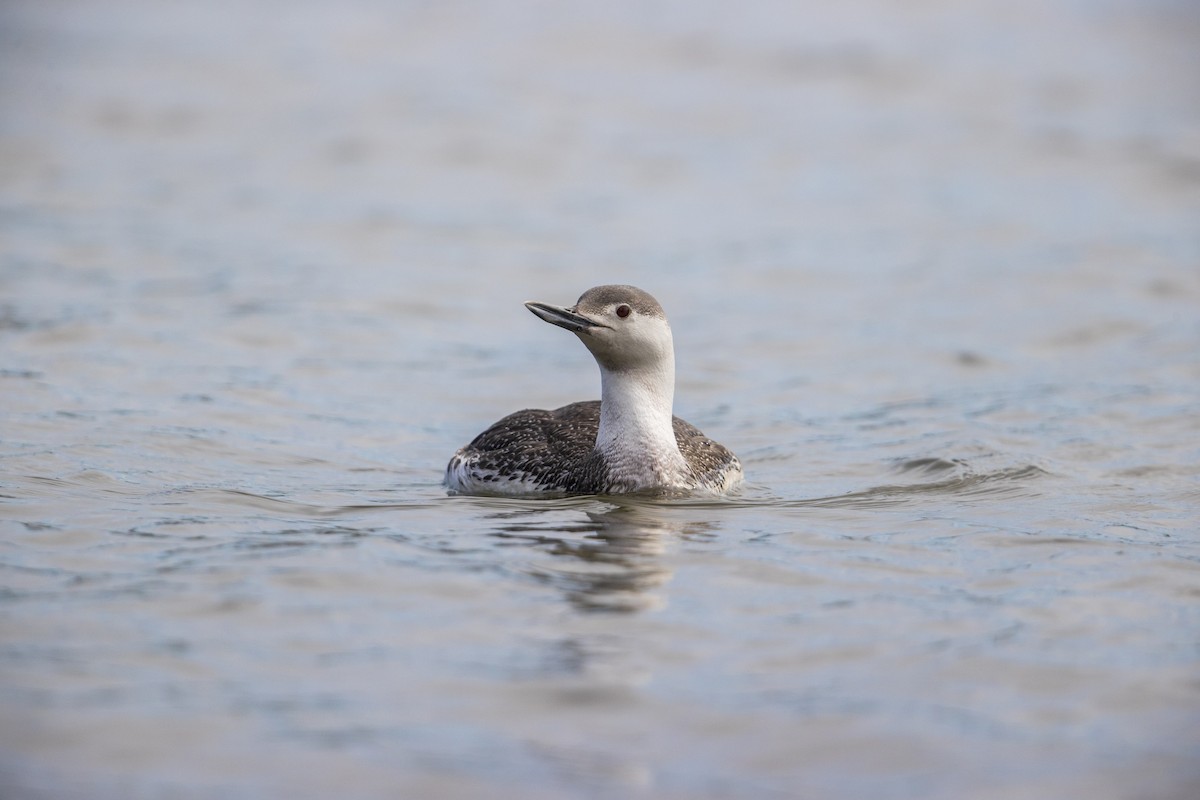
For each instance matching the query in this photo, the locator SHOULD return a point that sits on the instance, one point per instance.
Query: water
(932, 272)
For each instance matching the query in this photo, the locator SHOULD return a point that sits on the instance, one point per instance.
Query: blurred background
(262, 264)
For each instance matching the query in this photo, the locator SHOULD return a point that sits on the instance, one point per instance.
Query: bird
(627, 442)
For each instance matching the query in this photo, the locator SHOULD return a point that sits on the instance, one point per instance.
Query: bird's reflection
(605, 559)
(602, 560)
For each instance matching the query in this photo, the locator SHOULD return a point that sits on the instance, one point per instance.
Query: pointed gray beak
(562, 317)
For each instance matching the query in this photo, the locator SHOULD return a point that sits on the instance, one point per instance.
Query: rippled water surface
(933, 272)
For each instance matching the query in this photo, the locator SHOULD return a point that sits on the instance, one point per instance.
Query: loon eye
(623, 311)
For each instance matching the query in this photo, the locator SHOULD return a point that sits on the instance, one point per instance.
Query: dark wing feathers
(708, 460)
(536, 443)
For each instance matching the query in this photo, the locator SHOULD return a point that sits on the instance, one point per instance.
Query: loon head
(624, 327)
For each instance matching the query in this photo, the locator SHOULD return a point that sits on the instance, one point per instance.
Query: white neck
(636, 435)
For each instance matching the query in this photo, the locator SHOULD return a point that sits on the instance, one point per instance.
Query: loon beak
(563, 317)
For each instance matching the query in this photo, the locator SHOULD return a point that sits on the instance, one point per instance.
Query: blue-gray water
(933, 271)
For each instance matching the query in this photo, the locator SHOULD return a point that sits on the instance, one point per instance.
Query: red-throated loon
(627, 442)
